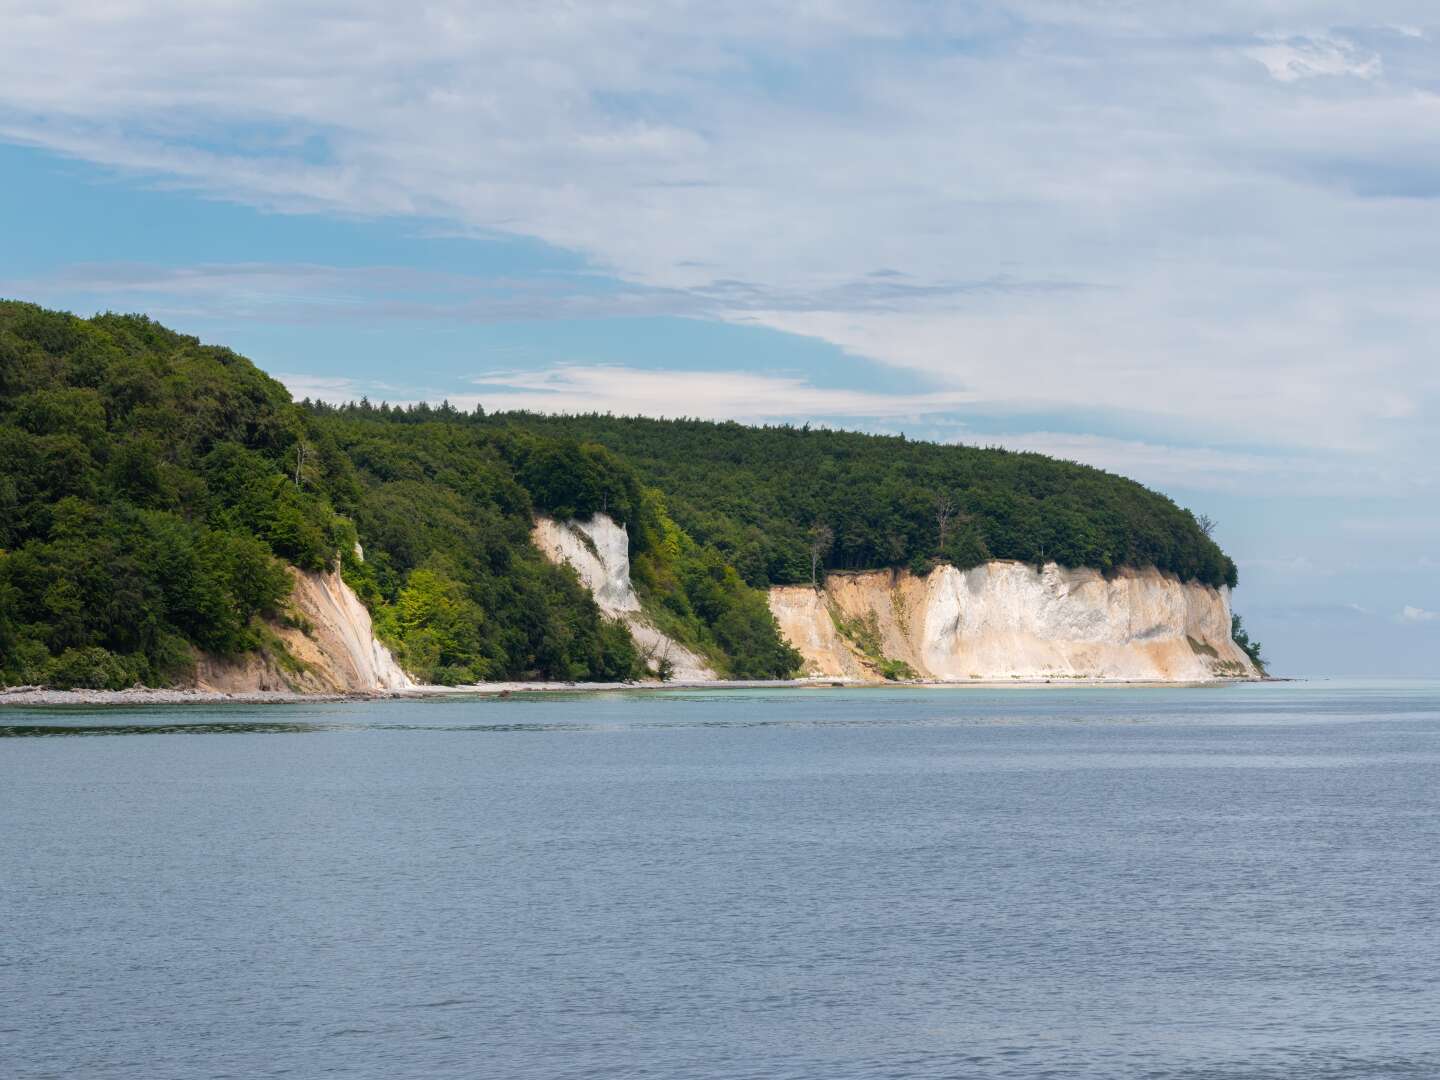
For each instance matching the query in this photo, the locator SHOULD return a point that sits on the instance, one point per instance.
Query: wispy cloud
(1293, 568)
(310, 292)
(1317, 613)
(1078, 206)
(627, 391)
(1295, 58)
(1412, 614)
(742, 395)
(1208, 468)
(321, 388)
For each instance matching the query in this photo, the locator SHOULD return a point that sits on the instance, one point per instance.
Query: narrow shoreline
(31, 696)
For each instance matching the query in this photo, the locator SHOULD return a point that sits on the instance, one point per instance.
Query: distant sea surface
(1239, 883)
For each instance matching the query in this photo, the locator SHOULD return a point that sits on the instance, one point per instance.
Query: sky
(1195, 244)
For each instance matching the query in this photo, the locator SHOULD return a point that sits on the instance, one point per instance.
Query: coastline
(32, 696)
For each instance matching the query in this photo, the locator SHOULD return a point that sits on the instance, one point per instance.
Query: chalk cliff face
(599, 551)
(1006, 620)
(339, 654)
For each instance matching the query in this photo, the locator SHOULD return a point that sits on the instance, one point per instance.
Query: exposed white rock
(339, 650)
(804, 618)
(342, 628)
(599, 552)
(1006, 620)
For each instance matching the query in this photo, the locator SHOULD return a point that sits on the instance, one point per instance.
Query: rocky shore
(29, 696)
(39, 695)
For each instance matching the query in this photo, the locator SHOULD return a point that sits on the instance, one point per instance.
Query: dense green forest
(447, 507)
(153, 489)
(757, 495)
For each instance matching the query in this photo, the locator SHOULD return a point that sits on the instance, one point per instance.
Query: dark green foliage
(122, 542)
(616, 653)
(252, 496)
(449, 569)
(755, 494)
(453, 502)
(699, 599)
(1252, 649)
(151, 486)
(94, 668)
(152, 489)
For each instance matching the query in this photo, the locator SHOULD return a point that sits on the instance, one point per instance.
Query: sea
(1229, 883)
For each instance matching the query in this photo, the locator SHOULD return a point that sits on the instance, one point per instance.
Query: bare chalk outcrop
(599, 552)
(333, 650)
(1006, 620)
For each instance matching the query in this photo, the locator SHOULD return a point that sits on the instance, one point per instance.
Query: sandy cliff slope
(1007, 620)
(338, 651)
(599, 551)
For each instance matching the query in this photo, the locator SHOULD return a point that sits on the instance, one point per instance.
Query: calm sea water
(1238, 883)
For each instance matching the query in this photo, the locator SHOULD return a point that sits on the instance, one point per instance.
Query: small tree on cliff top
(944, 514)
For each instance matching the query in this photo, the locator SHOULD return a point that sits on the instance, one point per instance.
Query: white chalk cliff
(1001, 620)
(599, 552)
(337, 649)
(1007, 620)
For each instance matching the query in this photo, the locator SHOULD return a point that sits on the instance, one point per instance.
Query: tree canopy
(758, 494)
(153, 490)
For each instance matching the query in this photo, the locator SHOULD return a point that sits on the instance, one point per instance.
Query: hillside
(153, 490)
(755, 492)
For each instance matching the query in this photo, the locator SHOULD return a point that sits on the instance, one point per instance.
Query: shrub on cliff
(1252, 649)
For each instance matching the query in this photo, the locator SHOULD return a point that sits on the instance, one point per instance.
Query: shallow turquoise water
(1221, 883)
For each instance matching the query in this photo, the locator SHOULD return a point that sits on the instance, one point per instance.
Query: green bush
(1252, 649)
(94, 668)
(27, 663)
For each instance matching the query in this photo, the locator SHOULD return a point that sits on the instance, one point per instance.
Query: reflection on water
(14, 731)
(688, 709)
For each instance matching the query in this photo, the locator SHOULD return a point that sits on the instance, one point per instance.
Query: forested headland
(153, 489)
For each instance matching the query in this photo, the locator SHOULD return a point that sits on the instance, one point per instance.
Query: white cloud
(1165, 349)
(712, 395)
(1410, 614)
(1289, 60)
(1296, 567)
(1413, 526)
(1205, 468)
(708, 395)
(1246, 260)
(320, 387)
(308, 291)
(1163, 464)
